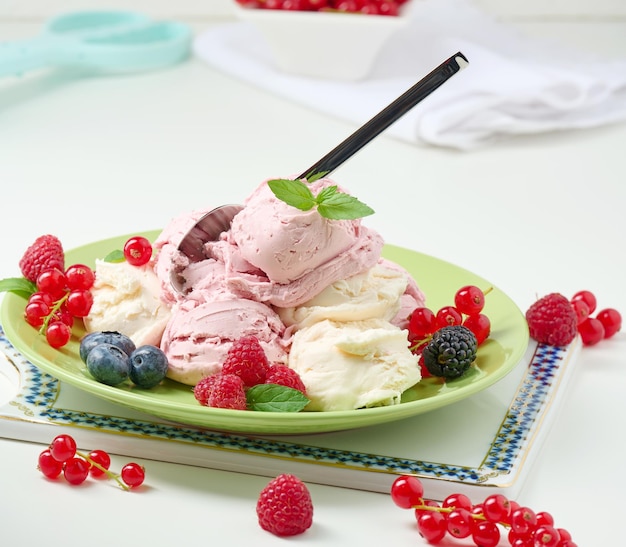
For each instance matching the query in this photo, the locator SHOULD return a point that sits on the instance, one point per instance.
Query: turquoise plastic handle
(23, 56)
(109, 41)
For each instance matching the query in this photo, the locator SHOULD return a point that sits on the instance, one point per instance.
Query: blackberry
(450, 352)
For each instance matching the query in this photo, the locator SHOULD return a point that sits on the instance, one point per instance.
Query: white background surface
(89, 158)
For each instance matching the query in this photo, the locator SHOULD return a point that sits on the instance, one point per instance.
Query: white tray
(485, 443)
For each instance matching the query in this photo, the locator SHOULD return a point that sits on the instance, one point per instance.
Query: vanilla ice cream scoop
(373, 294)
(347, 366)
(127, 299)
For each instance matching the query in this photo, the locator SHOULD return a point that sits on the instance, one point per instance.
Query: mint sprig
(275, 398)
(330, 202)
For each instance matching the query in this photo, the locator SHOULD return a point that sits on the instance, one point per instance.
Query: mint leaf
(18, 285)
(275, 398)
(330, 203)
(326, 194)
(115, 256)
(293, 192)
(341, 206)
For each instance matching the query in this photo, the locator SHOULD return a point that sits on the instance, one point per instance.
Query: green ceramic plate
(174, 401)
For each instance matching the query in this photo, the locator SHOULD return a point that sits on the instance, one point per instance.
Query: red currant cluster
(469, 302)
(62, 457)
(483, 523)
(370, 7)
(59, 298)
(594, 329)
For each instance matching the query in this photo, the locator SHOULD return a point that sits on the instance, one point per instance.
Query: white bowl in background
(328, 45)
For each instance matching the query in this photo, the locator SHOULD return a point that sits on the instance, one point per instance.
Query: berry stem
(421, 343)
(57, 306)
(439, 509)
(106, 471)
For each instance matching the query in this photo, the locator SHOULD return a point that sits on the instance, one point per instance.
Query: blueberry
(148, 366)
(91, 340)
(108, 364)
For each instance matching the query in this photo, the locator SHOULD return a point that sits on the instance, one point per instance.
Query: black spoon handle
(388, 115)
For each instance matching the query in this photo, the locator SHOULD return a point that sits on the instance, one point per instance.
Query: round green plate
(173, 401)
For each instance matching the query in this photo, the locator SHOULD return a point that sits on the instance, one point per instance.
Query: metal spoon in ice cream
(211, 225)
(207, 228)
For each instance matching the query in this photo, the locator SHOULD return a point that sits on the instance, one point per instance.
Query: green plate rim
(514, 334)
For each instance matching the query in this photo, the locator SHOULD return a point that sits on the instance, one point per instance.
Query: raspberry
(450, 352)
(284, 507)
(221, 391)
(552, 320)
(202, 390)
(46, 253)
(246, 359)
(284, 376)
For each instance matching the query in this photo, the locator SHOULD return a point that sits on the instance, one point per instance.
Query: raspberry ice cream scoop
(281, 255)
(196, 340)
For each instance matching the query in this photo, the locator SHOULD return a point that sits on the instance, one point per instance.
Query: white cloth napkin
(513, 84)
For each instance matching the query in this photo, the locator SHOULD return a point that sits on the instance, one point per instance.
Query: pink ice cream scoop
(281, 255)
(196, 340)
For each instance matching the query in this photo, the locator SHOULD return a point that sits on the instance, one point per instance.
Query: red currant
(496, 508)
(611, 320)
(588, 297)
(388, 8)
(133, 474)
(137, 251)
(480, 325)
(469, 300)
(79, 302)
(317, 5)
(407, 491)
(546, 536)
(346, 5)
(63, 315)
(423, 368)
(422, 323)
(543, 517)
(581, 308)
(79, 276)
(432, 526)
(52, 282)
(523, 521)
(58, 334)
(448, 316)
(36, 312)
(76, 470)
(103, 459)
(63, 447)
(591, 331)
(48, 465)
(41, 297)
(564, 534)
(485, 533)
(459, 523)
(457, 501)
